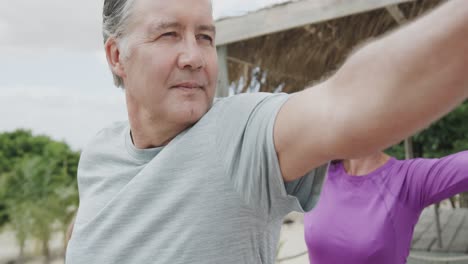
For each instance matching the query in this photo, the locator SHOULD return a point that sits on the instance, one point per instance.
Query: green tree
(38, 188)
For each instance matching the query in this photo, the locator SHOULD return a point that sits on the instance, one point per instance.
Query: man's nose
(191, 56)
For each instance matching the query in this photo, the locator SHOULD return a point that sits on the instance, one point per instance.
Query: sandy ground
(292, 239)
(9, 250)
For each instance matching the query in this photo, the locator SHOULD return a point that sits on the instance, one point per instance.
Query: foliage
(38, 188)
(446, 136)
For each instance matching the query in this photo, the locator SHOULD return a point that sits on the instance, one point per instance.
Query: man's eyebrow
(163, 25)
(210, 28)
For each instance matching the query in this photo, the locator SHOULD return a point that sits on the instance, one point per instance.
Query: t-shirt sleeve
(246, 147)
(433, 180)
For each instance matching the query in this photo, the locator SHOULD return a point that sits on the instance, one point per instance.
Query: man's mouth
(189, 85)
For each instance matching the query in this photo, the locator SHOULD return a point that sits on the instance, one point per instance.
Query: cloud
(51, 24)
(226, 8)
(101, 57)
(76, 25)
(3, 28)
(64, 114)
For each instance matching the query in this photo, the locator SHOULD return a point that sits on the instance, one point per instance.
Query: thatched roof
(295, 58)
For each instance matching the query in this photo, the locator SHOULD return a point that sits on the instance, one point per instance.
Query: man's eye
(169, 34)
(205, 37)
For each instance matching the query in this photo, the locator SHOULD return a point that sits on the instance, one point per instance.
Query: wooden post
(409, 153)
(438, 228)
(222, 89)
(464, 200)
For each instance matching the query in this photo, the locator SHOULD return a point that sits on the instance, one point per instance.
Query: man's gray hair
(115, 16)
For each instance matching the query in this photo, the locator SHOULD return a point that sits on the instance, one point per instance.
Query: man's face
(170, 68)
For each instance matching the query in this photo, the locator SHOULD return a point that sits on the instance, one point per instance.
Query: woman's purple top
(370, 218)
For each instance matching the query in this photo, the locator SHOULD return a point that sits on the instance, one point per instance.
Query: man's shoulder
(113, 129)
(108, 135)
(244, 101)
(243, 97)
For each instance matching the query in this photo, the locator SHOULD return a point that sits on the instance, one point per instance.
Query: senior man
(186, 180)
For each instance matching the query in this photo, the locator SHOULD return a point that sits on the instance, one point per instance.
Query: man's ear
(114, 58)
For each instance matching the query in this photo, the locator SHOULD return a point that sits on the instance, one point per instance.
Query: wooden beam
(291, 15)
(396, 13)
(222, 89)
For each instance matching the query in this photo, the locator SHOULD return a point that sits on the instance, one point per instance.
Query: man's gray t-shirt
(214, 194)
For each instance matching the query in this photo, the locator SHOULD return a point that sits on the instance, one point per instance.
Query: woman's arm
(433, 180)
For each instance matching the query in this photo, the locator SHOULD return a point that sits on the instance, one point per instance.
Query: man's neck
(365, 165)
(149, 131)
(152, 134)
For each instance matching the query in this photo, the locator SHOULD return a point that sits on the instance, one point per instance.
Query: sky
(54, 78)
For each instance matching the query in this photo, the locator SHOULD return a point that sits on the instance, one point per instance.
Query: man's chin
(191, 115)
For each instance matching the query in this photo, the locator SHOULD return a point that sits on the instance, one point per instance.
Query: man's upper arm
(304, 133)
(384, 92)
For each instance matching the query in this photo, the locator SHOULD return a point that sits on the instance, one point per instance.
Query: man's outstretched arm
(386, 91)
